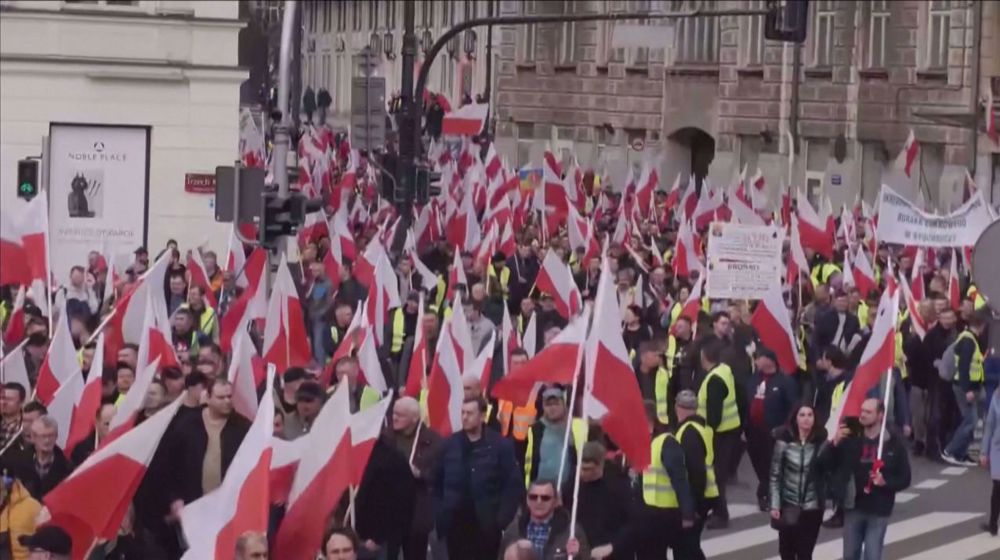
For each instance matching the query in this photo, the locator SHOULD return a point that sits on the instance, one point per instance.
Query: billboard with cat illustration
(98, 179)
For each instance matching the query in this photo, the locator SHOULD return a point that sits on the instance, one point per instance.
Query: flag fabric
(199, 277)
(322, 474)
(906, 157)
(878, 357)
(509, 340)
(468, 120)
(611, 391)
(553, 364)
(14, 268)
(89, 402)
(864, 276)
(444, 385)
(14, 370)
(91, 503)
(685, 252)
(954, 292)
(418, 358)
(797, 262)
(285, 340)
(212, 523)
(814, 232)
(692, 306)
(246, 372)
(236, 257)
(774, 327)
(530, 337)
(366, 426)
(15, 330)
(60, 364)
(556, 279)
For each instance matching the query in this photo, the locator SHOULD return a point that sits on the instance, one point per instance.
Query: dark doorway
(701, 146)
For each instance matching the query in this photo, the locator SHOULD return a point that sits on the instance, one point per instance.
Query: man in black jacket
(696, 440)
(864, 483)
(203, 446)
(44, 465)
(770, 396)
(603, 510)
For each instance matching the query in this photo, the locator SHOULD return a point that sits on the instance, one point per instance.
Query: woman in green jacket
(797, 484)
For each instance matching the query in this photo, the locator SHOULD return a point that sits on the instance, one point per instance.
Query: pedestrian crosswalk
(919, 536)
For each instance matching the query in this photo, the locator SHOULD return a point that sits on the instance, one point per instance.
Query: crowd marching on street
(540, 374)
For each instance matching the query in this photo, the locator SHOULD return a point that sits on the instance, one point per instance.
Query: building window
(341, 16)
(525, 139)
(327, 18)
(311, 17)
(372, 15)
(357, 17)
(637, 56)
(823, 33)
(566, 43)
(752, 37)
(698, 37)
(390, 14)
(938, 29)
(428, 14)
(878, 24)
(447, 14)
(527, 33)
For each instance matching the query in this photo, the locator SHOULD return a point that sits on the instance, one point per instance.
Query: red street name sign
(199, 183)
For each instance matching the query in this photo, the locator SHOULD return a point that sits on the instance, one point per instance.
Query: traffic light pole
(410, 145)
(282, 129)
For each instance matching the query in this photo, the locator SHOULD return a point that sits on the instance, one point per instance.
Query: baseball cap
(553, 393)
(308, 391)
(48, 538)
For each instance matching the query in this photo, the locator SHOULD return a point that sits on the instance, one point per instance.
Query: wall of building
(168, 65)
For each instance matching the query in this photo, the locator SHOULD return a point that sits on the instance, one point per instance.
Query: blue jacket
(486, 479)
(780, 395)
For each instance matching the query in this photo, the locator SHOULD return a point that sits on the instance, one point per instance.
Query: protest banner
(744, 261)
(899, 221)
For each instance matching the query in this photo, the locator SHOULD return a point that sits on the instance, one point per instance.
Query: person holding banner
(868, 469)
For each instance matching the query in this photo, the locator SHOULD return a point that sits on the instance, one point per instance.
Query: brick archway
(699, 148)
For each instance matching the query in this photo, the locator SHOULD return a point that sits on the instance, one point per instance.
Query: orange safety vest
(523, 417)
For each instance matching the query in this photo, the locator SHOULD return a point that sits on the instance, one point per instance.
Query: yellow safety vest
(711, 486)
(900, 357)
(657, 489)
(660, 386)
(3, 313)
(579, 431)
(671, 353)
(675, 312)
(207, 322)
(398, 331)
(504, 279)
(821, 273)
(837, 396)
(730, 411)
(978, 301)
(334, 334)
(369, 398)
(976, 374)
(863, 313)
(442, 289)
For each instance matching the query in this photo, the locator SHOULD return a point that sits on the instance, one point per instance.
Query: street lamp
(387, 45)
(375, 42)
(427, 41)
(470, 43)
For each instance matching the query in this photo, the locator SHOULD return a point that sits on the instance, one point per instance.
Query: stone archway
(694, 150)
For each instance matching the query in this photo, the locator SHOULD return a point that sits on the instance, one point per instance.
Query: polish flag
(864, 276)
(492, 164)
(507, 244)
(685, 252)
(556, 363)
(556, 279)
(369, 365)
(342, 236)
(246, 372)
(418, 359)
(314, 227)
(509, 339)
(236, 257)
(689, 201)
(674, 196)
(954, 294)
(252, 303)
(128, 411)
(285, 341)
(648, 181)
(709, 202)
(428, 278)
(463, 228)
(917, 324)
(322, 475)
(466, 121)
(129, 318)
(774, 326)
(333, 262)
(366, 427)
(530, 337)
(813, 230)
(758, 196)
(456, 275)
(916, 275)
(86, 401)
(352, 339)
(848, 273)
(14, 332)
(14, 370)
(611, 391)
(797, 262)
(34, 230)
(482, 365)
(878, 358)
(444, 386)
(199, 277)
(581, 235)
(92, 502)
(364, 267)
(508, 184)
(743, 213)
(692, 306)
(60, 364)
(241, 503)
(384, 295)
(906, 157)
(14, 268)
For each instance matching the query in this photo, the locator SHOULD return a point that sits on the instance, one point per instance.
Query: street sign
(251, 188)
(368, 109)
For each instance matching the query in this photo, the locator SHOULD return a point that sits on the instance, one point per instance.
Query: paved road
(938, 518)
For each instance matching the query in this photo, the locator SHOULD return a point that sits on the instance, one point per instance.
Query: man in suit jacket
(838, 326)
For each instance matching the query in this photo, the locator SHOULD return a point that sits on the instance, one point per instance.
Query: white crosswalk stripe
(970, 547)
(931, 483)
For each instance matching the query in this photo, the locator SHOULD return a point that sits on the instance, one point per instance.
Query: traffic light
(786, 20)
(27, 178)
(283, 216)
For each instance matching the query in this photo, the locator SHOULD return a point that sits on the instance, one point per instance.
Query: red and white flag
(530, 337)
(75, 404)
(878, 358)
(917, 324)
(14, 370)
(917, 275)
(797, 262)
(456, 275)
(774, 327)
(954, 293)
(906, 157)
(146, 297)
(444, 386)
(285, 340)
(246, 372)
(383, 295)
(242, 502)
(236, 257)
(611, 391)
(814, 232)
(509, 340)
(468, 120)
(34, 230)
(252, 303)
(60, 364)
(368, 363)
(686, 252)
(864, 276)
(366, 426)
(418, 358)
(14, 268)
(556, 279)
(322, 474)
(199, 277)
(692, 306)
(91, 503)
(15, 330)
(482, 365)
(556, 363)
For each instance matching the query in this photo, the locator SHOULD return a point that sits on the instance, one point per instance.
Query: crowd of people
(505, 484)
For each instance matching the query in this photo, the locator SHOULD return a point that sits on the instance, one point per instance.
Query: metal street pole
(282, 129)
(409, 130)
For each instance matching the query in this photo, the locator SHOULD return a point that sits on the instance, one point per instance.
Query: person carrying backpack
(965, 357)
